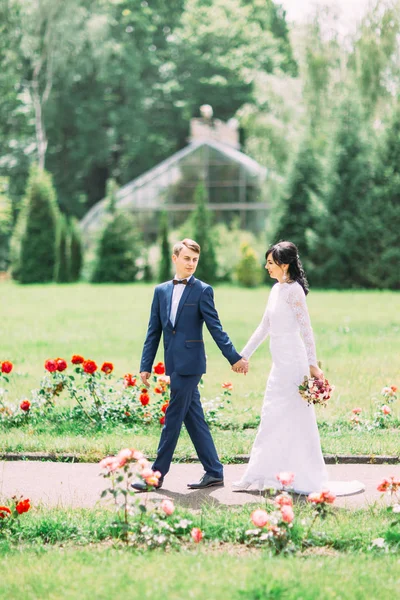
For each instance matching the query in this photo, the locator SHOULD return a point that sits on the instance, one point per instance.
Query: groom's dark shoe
(206, 481)
(142, 486)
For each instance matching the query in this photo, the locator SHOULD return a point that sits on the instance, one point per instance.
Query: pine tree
(344, 233)
(75, 250)
(201, 222)
(36, 258)
(62, 271)
(300, 203)
(118, 251)
(164, 272)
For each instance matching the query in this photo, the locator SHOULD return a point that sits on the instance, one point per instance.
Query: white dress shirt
(179, 288)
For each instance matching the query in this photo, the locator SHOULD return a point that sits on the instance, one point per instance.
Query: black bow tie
(176, 281)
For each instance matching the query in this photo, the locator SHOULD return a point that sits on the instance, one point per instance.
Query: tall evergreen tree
(118, 251)
(384, 248)
(201, 222)
(300, 203)
(164, 272)
(36, 257)
(343, 234)
(75, 249)
(62, 268)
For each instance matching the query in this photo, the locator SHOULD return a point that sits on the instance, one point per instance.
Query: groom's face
(185, 263)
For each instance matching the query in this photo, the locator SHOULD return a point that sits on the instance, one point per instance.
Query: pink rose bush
(143, 521)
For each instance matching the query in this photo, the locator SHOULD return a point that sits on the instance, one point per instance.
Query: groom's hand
(144, 376)
(241, 366)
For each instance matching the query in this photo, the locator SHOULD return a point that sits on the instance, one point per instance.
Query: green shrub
(118, 251)
(201, 222)
(34, 253)
(5, 223)
(164, 272)
(75, 251)
(61, 274)
(249, 272)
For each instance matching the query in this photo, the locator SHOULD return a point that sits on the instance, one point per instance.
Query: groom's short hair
(186, 243)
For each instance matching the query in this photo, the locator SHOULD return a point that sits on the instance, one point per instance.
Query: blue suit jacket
(183, 343)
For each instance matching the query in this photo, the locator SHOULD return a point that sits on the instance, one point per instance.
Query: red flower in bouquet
(6, 366)
(4, 512)
(159, 369)
(22, 506)
(107, 368)
(144, 398)
(50, 365)
(77, 359)
(61, 364)
(158, 390)
(89, 366)
(129, 380)
(25, 405)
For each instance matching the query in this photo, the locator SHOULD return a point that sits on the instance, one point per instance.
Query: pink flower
(137, 455)
(110, 463)
(315, 498)
(196, 534)
(125, 455)
(287, 513)
(328, 496)
(143, 463)
(259, 517)
(385, 409)
(167, 506)
(227, 386)
(147, 472)
(284, 500)
(357, 411)
(285, 478)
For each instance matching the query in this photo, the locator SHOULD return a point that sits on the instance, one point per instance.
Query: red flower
(227, 386)
(144, 399)
(61, 364)
(6, 366)
(158, 390)
(89, 366)
(159, 369)
(25, 405)
(162, 420)
(4, 512)
(164, 407)
(107, 368)
(77, 359)
(50, 365)
(196, 534)
(129, 380)
(393, 388)
(127, 414)
(22, 506)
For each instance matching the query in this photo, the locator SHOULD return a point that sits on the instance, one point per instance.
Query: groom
(179, 309)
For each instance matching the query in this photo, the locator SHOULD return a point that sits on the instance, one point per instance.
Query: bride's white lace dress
(288, 438)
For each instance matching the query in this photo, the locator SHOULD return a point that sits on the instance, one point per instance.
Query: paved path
(79, 484)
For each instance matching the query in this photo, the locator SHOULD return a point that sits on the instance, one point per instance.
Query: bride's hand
(316, 372)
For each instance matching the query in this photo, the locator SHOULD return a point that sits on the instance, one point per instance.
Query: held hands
(144, 376)
(241, 366)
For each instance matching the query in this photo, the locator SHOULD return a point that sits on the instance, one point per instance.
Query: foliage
(62, 267)
(5, 223)
(75, 249)
(202, 234)
(164, 272)
(118, 251)
(35, 235)
(249, 270)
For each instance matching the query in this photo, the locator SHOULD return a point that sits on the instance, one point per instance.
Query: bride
(288, 438)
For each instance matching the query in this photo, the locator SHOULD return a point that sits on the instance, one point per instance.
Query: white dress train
(288, 437)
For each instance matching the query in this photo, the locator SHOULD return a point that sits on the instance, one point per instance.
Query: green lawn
(357, 335)
(69, 554)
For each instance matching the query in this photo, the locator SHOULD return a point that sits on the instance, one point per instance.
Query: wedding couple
(288, 438)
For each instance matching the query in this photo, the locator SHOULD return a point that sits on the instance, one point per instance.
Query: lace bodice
(286, 313)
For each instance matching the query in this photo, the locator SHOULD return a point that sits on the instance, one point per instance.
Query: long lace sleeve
(258, 336)
(297, 301)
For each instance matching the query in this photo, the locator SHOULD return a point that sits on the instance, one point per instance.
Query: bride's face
(275, 271)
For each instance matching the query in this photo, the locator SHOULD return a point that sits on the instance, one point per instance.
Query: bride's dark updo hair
(286, 253)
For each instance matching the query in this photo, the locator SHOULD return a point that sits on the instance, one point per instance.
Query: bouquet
(316, 391)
